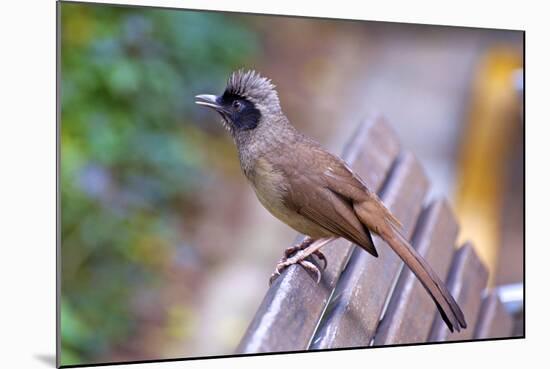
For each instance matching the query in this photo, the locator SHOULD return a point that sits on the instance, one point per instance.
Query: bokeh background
(165, 250)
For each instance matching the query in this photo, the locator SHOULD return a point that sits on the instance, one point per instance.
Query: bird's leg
(299, 246)
(301, 252)
(307, 241)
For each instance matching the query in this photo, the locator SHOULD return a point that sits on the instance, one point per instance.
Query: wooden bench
(366, 301)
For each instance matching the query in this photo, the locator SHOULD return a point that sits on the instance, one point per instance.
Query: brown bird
(310, 189)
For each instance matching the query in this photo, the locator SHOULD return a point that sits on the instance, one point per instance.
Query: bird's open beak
(208, 100)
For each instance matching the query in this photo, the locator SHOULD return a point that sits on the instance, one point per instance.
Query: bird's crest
(251, 85)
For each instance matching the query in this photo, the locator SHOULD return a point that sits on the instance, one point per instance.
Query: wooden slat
(358, 301)
(493, 321)
(292, 307)
(411, 310)
(466, 281)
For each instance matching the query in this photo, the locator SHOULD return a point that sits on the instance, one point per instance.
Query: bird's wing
(311, 195)
(342, 180)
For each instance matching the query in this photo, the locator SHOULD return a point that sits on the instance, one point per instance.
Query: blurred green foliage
(129, 163)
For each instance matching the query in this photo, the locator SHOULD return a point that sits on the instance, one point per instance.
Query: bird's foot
(296, 255)
(302, 246)
(299, 258)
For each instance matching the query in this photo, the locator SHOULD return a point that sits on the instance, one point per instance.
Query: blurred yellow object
(491, 122)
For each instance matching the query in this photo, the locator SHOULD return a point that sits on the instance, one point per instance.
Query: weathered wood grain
(292, 307)
(411, 310)
(356, 306)
(466, 281)
(493, 321)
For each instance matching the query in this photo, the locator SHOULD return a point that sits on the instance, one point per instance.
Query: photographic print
(236, 184)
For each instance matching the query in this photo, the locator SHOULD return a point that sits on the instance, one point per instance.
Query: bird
(310, 189)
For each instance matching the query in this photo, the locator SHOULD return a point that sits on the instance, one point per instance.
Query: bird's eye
(237, 105)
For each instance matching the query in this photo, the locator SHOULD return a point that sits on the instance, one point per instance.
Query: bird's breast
(271, 187)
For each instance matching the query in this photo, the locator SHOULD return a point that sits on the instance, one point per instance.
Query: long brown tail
(446, 304)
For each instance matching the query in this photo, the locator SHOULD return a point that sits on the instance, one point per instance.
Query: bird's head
(247, 100)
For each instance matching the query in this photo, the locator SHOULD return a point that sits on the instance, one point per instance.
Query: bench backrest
(362, 300)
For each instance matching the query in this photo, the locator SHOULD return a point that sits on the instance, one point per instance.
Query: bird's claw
(274, 276)
(312, 268)
(297, 259)
(321, 257)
